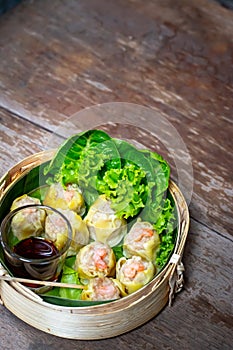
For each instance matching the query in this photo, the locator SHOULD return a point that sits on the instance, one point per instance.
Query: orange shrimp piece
(98, 258)
(131, 270)
(29, 210)
(68, 195)
(146, 233)
(106, 290)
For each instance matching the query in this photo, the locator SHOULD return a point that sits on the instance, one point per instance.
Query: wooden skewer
(43, 283)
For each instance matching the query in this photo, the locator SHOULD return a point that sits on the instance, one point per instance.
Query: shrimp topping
(98, 258)
(130, 271)
(68, 195)
(146, 233)
(106, 290)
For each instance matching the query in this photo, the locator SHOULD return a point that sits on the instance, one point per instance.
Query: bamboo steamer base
(99, 321)
(79, 323)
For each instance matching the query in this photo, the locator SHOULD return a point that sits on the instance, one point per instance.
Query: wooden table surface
(176, 57)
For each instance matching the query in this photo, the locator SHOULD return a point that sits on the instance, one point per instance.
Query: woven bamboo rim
(98, 321)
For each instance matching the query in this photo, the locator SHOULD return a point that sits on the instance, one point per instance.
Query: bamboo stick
(43, 283)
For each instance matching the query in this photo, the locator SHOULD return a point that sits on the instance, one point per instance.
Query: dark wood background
(58, 57)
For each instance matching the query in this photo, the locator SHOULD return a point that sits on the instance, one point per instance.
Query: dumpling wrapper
(80, 233)
(141, 240)
(24, 200)
(28, 222)
(103, 288)
(95, 260)
(103, 224)
(134, 273)
(70, 198)
(56, 230)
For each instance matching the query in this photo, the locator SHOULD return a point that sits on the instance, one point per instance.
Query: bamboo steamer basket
(103, 320)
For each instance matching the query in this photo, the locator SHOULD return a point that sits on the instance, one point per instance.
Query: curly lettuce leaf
(81, 158)
(134, 180)
(147, 196)
(126, 188)
(165, 226)
(130, 154)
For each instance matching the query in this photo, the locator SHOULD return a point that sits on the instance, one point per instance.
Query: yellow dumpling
(29, 221)
(70, 198)
(103, 288)
(24, 200)
(80, 233)
(95, 260)
(134, 273)
(56, 230)
(141, 240)
(103, 224)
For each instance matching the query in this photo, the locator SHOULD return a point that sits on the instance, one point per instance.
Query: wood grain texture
(20, 138)
(174, 58)
(58, 57)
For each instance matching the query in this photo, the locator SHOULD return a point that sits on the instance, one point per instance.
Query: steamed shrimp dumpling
(134, 273)
(24, 200)
(103, 224)
(141, 240)
(65, 198)
(103, 288)
(56, 230)
(80, 233)
(95, 260)
(29, 221)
